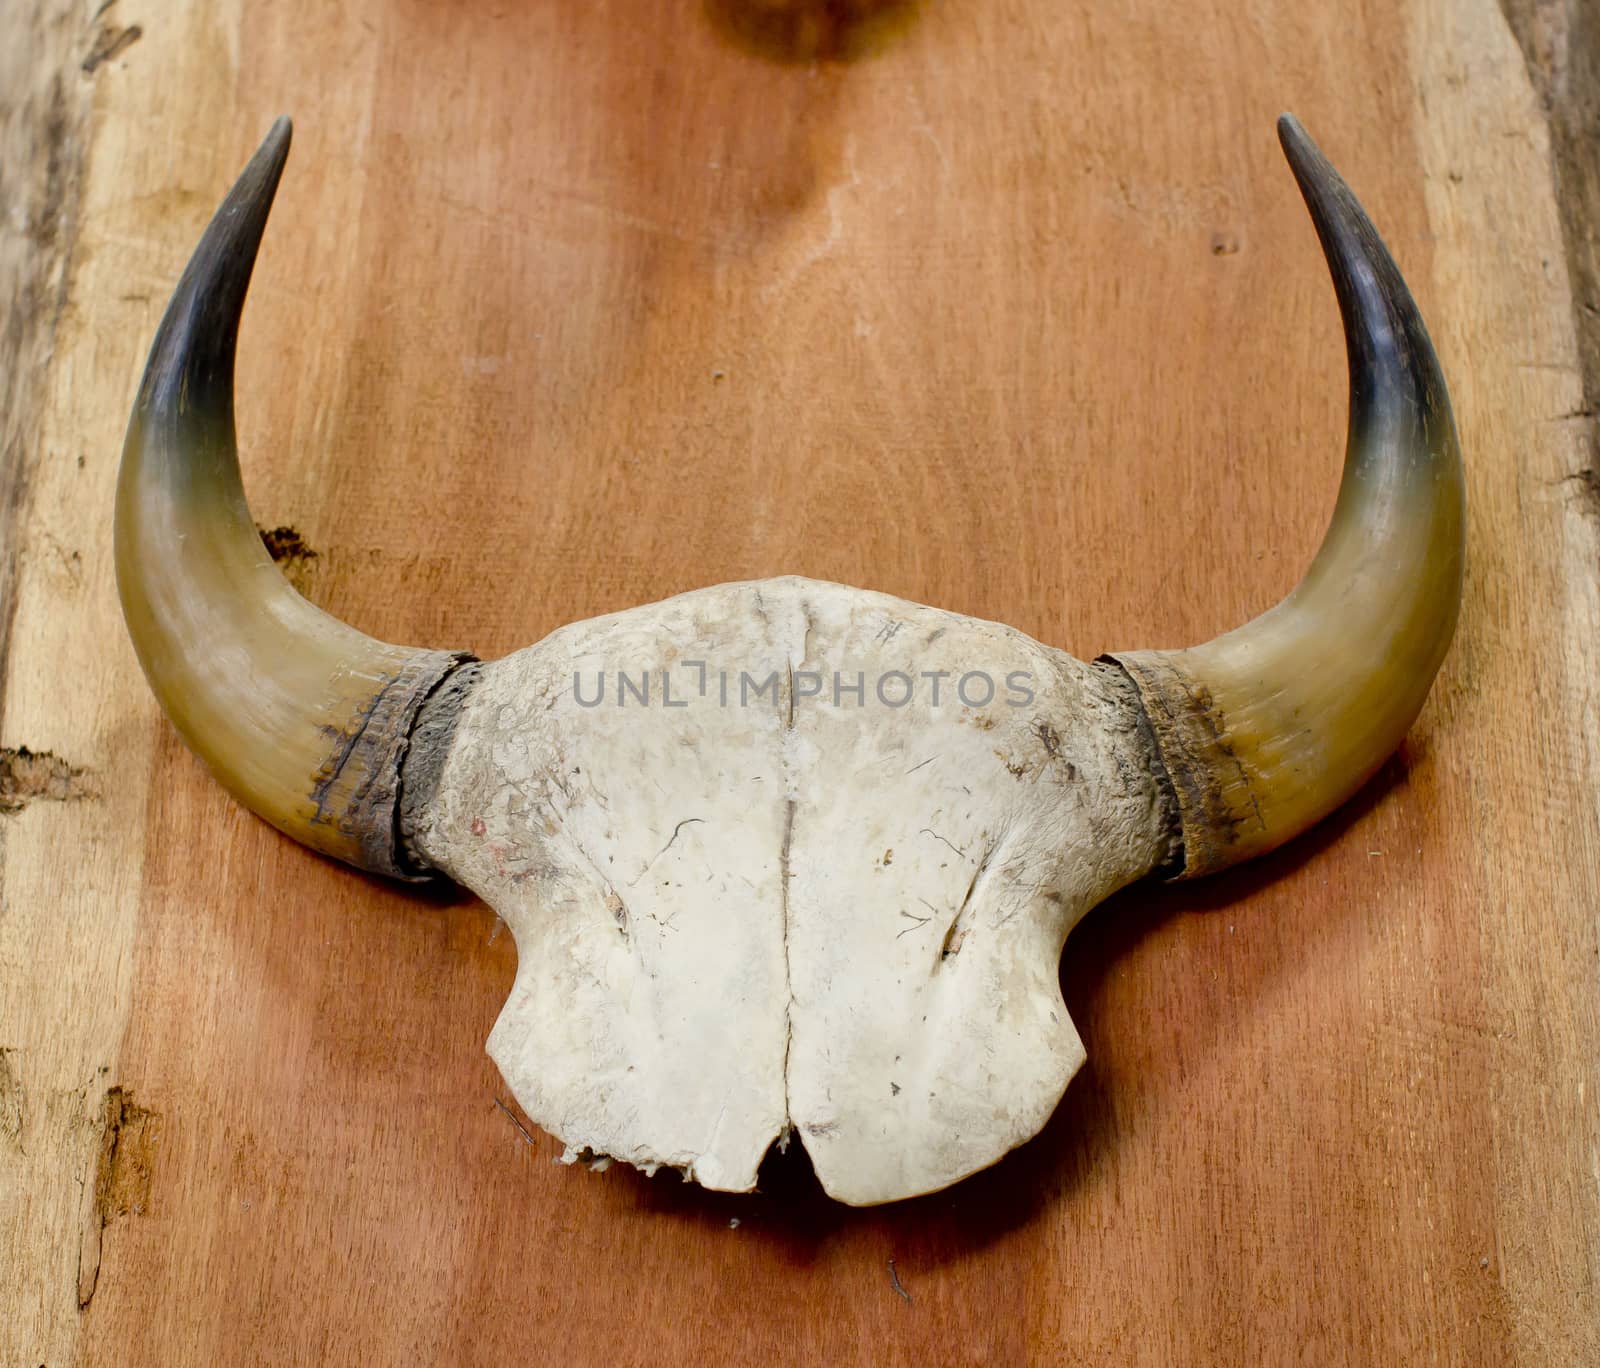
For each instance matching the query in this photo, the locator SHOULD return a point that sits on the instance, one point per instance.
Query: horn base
(359, 791)
(1215, 791)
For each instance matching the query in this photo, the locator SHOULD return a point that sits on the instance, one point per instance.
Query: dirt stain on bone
(124, 1169)
(28, 776)
(619, 912)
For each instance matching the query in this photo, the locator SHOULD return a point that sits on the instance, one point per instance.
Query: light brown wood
(1009, 308)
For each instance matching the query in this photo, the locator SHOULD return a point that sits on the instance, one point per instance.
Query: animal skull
(788, 855)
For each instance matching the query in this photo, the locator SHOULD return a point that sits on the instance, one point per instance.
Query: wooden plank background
(1006, 307)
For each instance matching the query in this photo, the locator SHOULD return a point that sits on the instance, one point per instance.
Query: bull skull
(789, 856)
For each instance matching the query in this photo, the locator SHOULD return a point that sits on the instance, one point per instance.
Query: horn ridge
(304, 719)
(1266, 729)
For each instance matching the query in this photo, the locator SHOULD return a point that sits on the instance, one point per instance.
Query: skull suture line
(802, 912)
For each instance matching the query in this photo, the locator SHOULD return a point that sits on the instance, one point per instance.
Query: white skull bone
(787, 889)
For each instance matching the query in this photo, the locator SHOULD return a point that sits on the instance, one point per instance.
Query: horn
(305, 720)
(1267, 729)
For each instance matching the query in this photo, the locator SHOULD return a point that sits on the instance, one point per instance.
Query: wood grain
(1009, 308)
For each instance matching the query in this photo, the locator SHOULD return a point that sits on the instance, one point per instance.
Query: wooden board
(1008, 308)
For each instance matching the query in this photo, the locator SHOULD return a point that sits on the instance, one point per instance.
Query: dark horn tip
(191, 360)
(1334, 210)
(1290, 131)
(1318, 179)
(1394, 372)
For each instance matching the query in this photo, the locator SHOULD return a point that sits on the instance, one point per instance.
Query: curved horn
(304, 719)
(1267, 729)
